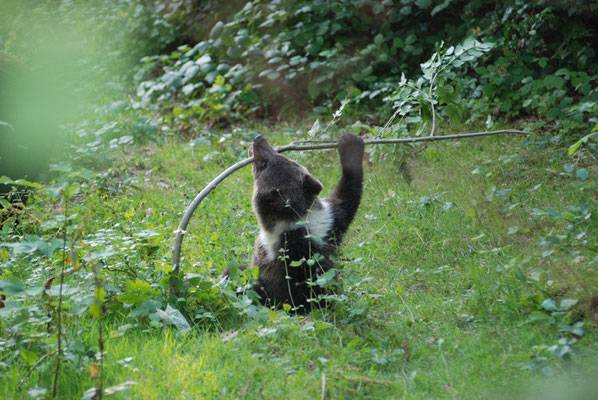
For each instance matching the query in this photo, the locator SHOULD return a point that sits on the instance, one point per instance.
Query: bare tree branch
(295, 146)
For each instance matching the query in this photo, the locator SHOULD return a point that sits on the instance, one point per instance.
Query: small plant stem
(286, 271)
(59, 316)
(37, 363)
(431, 101)
(100, 389)
(99, 380)
(407, 308)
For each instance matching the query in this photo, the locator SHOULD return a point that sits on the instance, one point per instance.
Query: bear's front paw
(350, 150)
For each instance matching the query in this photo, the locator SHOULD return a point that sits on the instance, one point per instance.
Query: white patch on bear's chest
(318, 222)
(270, 240)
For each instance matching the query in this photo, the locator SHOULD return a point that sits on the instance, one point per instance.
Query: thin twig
(366, 379)
(37, 363)
(100, 388)
(295, 146)
(59, 318)
(408, 308)
(392, 118)
(323, 387)
(431, 101)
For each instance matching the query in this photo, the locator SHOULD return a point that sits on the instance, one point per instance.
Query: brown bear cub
(299, 231)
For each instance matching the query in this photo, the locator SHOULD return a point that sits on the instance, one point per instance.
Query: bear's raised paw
(350, 150)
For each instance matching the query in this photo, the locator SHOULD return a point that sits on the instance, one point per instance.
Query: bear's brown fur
(296, 227)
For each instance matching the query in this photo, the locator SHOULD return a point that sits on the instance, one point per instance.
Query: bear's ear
(311, 186)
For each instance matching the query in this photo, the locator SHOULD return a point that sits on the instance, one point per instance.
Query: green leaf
(322, 326)
(70, 191)
(567, 304)
(146, 308)
(323, 28)
(576, 329)
(440, 7)
(423, 4)
(174, 317)
(28, 357)
(67, 290)
(217, 30)
(12, 286)
(20, 182)
(326, 279)
(121, 388)
(37, 392)
(34, 244)
(353, 343)
(95, 309)
(90, 394)
(549, 305)
(405, 10)
(102, 253)
(536, 316)
(573, 148)
(582, 174)
(315, 129)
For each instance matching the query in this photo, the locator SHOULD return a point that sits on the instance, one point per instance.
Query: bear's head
(283, 190)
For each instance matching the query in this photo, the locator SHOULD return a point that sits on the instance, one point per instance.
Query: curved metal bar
(180, 232)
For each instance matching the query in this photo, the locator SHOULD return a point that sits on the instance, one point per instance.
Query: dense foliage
(149, 99)
(323, 52)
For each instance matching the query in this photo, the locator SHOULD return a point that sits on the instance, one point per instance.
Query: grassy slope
(447, 288)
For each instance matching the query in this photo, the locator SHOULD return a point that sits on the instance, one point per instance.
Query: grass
(441, 278)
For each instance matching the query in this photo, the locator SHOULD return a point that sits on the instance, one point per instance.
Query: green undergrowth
(474, 280)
